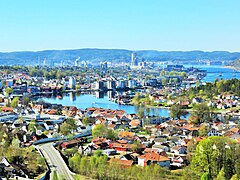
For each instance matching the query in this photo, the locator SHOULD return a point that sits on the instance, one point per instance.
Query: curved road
(55, 162)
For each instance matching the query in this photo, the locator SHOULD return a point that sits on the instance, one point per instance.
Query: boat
(234, 74)
(59, 97)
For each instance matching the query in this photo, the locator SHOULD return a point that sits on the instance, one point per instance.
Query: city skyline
(135, 25)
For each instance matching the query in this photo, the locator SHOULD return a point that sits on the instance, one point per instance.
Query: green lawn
(142, 133)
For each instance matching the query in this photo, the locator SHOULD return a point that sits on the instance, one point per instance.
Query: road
(55, 162)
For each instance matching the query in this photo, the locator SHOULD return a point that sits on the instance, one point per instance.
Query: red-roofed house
(153, 157)
(135, 123)
(7, 109)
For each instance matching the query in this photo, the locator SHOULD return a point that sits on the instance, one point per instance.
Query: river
(97, 99)
(213, 72)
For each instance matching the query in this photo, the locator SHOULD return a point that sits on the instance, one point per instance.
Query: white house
(213, 132)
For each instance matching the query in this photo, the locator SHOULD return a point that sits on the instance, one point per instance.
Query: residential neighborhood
(141, 139)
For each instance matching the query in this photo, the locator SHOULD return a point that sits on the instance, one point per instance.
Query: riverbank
(189, 110)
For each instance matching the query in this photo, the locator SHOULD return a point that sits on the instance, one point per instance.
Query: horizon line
(131, 50)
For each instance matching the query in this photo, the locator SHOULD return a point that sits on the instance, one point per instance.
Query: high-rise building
(72, 83)
(121, 84)
(104, 65)
(133, 60)
(98, 85)
(99, 94)
(110, 94)
(45, 61)
(77, 61)
(84, 64)
(111, 84)
(39, 60)
(72, 96)
(132, 83)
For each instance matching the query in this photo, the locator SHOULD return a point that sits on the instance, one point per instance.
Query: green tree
(14, 153)
(33, 71)
(202, 112)
(175, 80)
(65, 128)
(102, 131)
(191, 149)
(205, 176)
(146, 100)
(148, 77)
(8, 91)
(32, 125)
(14, 103)
(177, 110)
(203, 131)
(25, 100)
(34, 161)
(136, 146)
(99, 130)
(129, 76)
(221, 175)
(191, 95)
(136, 99)
(188, 173)
(234, 177)
(59, 111)
(86, 120)
(111, 134)
(59, 74)
(211, 156)
(164, 81)
(78, 86)
(236, 158)
(71, 122)
(68, 126)
(74, 162)
(141, 113)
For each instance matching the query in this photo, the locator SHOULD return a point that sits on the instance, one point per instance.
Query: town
(119, 90)
(115, 138)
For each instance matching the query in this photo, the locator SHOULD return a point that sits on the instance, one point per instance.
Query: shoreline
(215, 111)
(232, 67)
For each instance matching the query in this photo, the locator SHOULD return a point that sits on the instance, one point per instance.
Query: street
(55, 161)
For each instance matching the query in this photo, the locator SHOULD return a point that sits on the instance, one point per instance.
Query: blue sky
(122, 24)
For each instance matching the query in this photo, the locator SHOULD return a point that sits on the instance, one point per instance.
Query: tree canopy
(102, 131)
(86, 120)
(14, 103)
(68, 126)
(8, 91)
(177, 110)
(202, 113)
(217, 154)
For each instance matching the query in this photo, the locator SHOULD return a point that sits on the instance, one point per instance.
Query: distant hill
(114, 55)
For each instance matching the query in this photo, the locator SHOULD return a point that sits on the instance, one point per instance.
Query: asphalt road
(56, 162)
